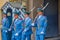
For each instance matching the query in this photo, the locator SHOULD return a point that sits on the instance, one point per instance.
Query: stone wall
(59, 14)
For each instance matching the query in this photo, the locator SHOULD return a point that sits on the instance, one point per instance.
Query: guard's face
(15, 16)
(26, 15)
(4, 15)
(40, 13)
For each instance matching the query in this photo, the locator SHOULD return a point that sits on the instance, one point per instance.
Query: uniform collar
(4, 18)
(40, 16)
(16, 19)
(26, 18)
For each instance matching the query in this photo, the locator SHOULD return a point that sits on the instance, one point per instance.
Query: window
(24, 2)
(13, 0)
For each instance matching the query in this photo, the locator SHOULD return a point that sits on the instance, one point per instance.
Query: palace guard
(26, 34)
(18, 27)
(40, 24)
(5, 26)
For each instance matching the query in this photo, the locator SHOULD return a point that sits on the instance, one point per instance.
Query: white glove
(5, 30)
(9, 29)
(42, 33)
(32, 24)
(16, 34)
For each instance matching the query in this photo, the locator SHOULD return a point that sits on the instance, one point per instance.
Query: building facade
(52, 12)
(2, 2)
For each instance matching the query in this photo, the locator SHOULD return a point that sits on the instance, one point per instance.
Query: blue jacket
(18, 25)
(41, 24)
(5, 23)
(27, 26)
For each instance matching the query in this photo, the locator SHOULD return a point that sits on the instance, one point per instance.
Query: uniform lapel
(38, 21)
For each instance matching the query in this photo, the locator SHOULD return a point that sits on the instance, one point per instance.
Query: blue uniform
(41, 24)
(5, 26)
(27, 29)
(18, 27)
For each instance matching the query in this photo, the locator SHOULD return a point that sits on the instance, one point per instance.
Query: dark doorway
(52, 15)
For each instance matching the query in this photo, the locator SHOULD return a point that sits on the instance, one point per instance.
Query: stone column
(31, 15)
(30, 7)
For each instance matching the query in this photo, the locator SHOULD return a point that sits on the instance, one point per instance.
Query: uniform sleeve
(44, 24)
(7, 23)
(21, 27)
(20, 22)
(4, 22)
(29, 25)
